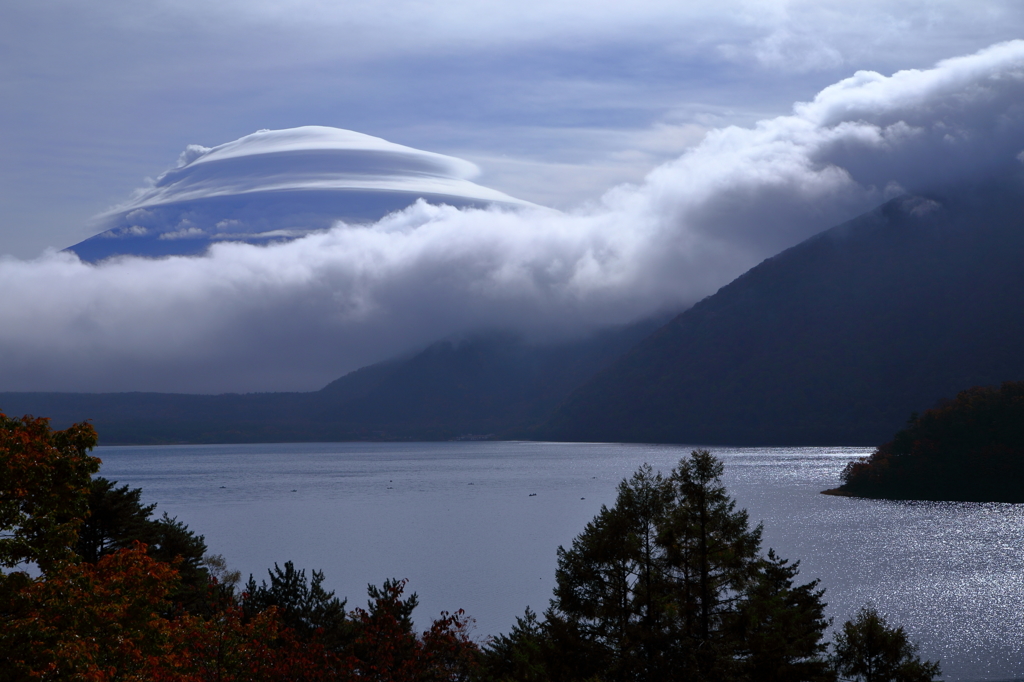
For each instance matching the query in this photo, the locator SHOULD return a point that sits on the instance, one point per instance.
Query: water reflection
(475, 525)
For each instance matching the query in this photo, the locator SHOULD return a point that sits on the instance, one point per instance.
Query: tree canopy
(969, 449)
(43, 478)
(868, 650)
(132, 598)
(670, 583)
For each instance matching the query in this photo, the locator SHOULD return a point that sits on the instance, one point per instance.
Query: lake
(475, 525)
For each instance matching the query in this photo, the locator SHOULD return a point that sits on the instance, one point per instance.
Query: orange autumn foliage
(116, 619)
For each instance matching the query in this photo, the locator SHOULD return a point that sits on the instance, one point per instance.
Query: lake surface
(475, 525)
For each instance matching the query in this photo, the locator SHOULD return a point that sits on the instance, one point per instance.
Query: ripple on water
(951, 573)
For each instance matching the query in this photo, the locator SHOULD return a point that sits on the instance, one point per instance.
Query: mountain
(834, 341)
(481, 386)
(276, 185)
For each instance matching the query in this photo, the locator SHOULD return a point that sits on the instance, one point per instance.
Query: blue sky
(682, 145)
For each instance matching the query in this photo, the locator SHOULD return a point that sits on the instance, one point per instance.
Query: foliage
(868, 650)
(780, 626)
(116, 518)
(971, 448)
(387, 650)
(137, 611)
(525, 654)
(108, 621)
(713, 554)
(669, 583)
(611, 584)
(226, 646)
(44, 475)
(305, 606)
(87, 621)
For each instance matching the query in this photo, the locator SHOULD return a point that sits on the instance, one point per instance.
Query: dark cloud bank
(294, 315)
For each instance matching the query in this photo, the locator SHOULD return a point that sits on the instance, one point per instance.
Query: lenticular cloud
(295, 314)
(276, 185)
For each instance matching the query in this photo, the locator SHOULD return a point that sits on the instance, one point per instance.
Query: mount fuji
(276, 185)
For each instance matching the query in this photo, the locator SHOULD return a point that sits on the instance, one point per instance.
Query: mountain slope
(483, 385)
(487, 384)
(836, 340)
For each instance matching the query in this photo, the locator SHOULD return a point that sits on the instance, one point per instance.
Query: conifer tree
(868, 650)
(670, 583)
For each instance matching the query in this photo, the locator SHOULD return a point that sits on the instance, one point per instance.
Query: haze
(680, 147)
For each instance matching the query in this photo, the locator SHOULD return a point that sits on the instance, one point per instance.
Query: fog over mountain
(291, 316)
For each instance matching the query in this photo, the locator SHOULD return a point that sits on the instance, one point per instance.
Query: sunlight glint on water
(458, 520)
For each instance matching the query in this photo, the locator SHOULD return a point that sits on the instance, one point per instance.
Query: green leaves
(305, 605)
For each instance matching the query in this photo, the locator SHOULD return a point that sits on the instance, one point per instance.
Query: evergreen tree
(306, 607)
(612, 582)
(868, 650)
(116, 519)
(780, 627)
(712, 554)
(669, 583)
(523, 655)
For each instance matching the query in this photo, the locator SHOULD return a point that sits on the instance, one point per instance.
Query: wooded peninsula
(969, 449)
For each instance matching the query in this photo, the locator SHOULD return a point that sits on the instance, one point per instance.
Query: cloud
(308, 158)
(295, 315)
(96, 93)
(277, 183)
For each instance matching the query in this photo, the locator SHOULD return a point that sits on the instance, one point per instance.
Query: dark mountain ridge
(834, 341)
(483, 385)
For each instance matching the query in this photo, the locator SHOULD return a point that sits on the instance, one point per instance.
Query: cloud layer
(277, 184)
(557, 100)
(295, 315)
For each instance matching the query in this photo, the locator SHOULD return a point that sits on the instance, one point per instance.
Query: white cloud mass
(298, 314)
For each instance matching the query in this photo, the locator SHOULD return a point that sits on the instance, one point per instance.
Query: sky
(680, 144)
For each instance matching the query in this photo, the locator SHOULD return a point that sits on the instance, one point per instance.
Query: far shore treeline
(671, 582)
(967, 449)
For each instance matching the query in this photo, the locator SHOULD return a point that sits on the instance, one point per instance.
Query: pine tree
(669, 583)
(868, 650)
(712, 553)
(780, 627)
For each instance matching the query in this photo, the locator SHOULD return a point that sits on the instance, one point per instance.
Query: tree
(305, 606)
(387, 650)
(868, 650)
(118, 614)
(116, 519)
(523, 655)
(86, 621)
(781, 625)
(713, 556)
(611, 585)
(669, 582)
(44, 479)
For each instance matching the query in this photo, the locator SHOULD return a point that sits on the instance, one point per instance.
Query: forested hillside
(834, 341)
(486, 385)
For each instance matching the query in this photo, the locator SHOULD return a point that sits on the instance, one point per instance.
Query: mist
(295, 315)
